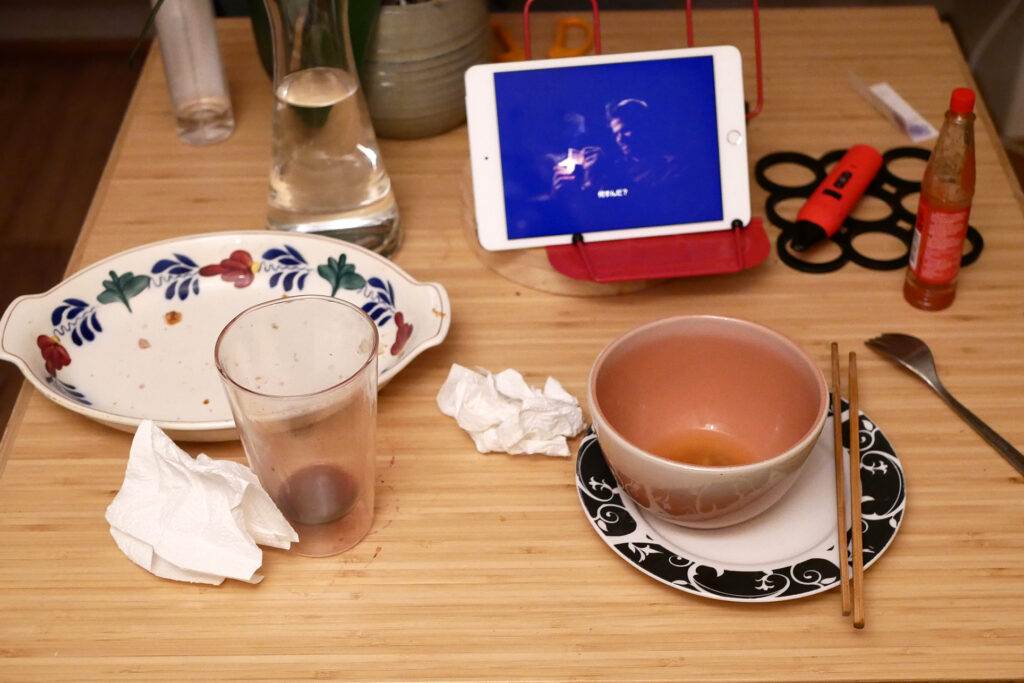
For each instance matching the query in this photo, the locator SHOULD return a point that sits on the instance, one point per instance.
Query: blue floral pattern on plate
(112, 305)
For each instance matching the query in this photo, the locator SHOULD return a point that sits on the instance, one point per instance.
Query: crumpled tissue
(196, 520)
(502, 413)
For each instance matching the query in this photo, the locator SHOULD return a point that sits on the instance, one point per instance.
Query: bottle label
(938, 243)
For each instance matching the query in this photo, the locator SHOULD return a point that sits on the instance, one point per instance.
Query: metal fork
(914, 355)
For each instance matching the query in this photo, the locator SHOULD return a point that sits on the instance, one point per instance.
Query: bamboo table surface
(485, 566)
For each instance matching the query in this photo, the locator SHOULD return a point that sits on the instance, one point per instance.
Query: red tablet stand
(669, 256)
(701, 253)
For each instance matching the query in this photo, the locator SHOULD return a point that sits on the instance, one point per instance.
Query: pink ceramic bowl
(706, 421)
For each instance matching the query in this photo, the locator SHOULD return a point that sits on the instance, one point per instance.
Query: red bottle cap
(962, 101)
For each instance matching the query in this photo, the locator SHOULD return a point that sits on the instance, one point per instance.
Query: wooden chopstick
(837, 436)
(855, 502)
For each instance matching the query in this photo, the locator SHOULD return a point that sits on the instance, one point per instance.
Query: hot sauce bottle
(945, 204)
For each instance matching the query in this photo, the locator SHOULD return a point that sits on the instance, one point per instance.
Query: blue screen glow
(609, 146)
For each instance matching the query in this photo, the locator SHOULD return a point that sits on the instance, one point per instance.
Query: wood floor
(60, 111)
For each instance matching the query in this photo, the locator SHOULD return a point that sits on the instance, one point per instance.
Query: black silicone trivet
(886, 186)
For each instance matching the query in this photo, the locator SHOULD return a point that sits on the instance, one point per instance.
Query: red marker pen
(832, 201)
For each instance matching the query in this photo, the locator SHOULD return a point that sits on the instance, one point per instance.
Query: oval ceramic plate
(131, 337)
(787, 552)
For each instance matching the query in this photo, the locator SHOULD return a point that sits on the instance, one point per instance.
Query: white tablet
(608, 146)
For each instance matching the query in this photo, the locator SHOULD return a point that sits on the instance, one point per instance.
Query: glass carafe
(326, 176)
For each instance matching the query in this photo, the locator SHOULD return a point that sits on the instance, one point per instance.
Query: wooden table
(484, 566)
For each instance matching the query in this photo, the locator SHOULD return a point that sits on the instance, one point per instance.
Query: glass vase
(327, 175)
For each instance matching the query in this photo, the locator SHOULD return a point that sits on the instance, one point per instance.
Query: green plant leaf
(322, 42)
(146, 28)
(261, 32)
(361, 22)
(362, 19)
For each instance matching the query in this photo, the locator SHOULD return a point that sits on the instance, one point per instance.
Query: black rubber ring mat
(887, 186)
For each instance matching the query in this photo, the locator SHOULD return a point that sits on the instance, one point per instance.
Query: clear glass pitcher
(326, 176)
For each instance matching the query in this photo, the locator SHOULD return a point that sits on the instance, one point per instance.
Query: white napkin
(193, 520)
(502, 413)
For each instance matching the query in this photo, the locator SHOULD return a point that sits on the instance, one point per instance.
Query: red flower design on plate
(55, 355)
(238, 268)
(403, 334)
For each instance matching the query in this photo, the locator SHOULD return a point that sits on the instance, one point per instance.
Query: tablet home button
(734, 137)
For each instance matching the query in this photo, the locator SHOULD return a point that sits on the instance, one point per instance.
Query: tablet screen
(609, 146)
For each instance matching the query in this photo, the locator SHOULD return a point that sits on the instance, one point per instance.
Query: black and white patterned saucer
(787, 552)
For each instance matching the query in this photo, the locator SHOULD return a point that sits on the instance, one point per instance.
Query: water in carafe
(327, 176)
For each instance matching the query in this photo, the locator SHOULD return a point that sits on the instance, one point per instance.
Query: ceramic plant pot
(415, 61)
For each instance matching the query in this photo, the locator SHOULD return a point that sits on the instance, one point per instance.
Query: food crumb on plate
(172, 317)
